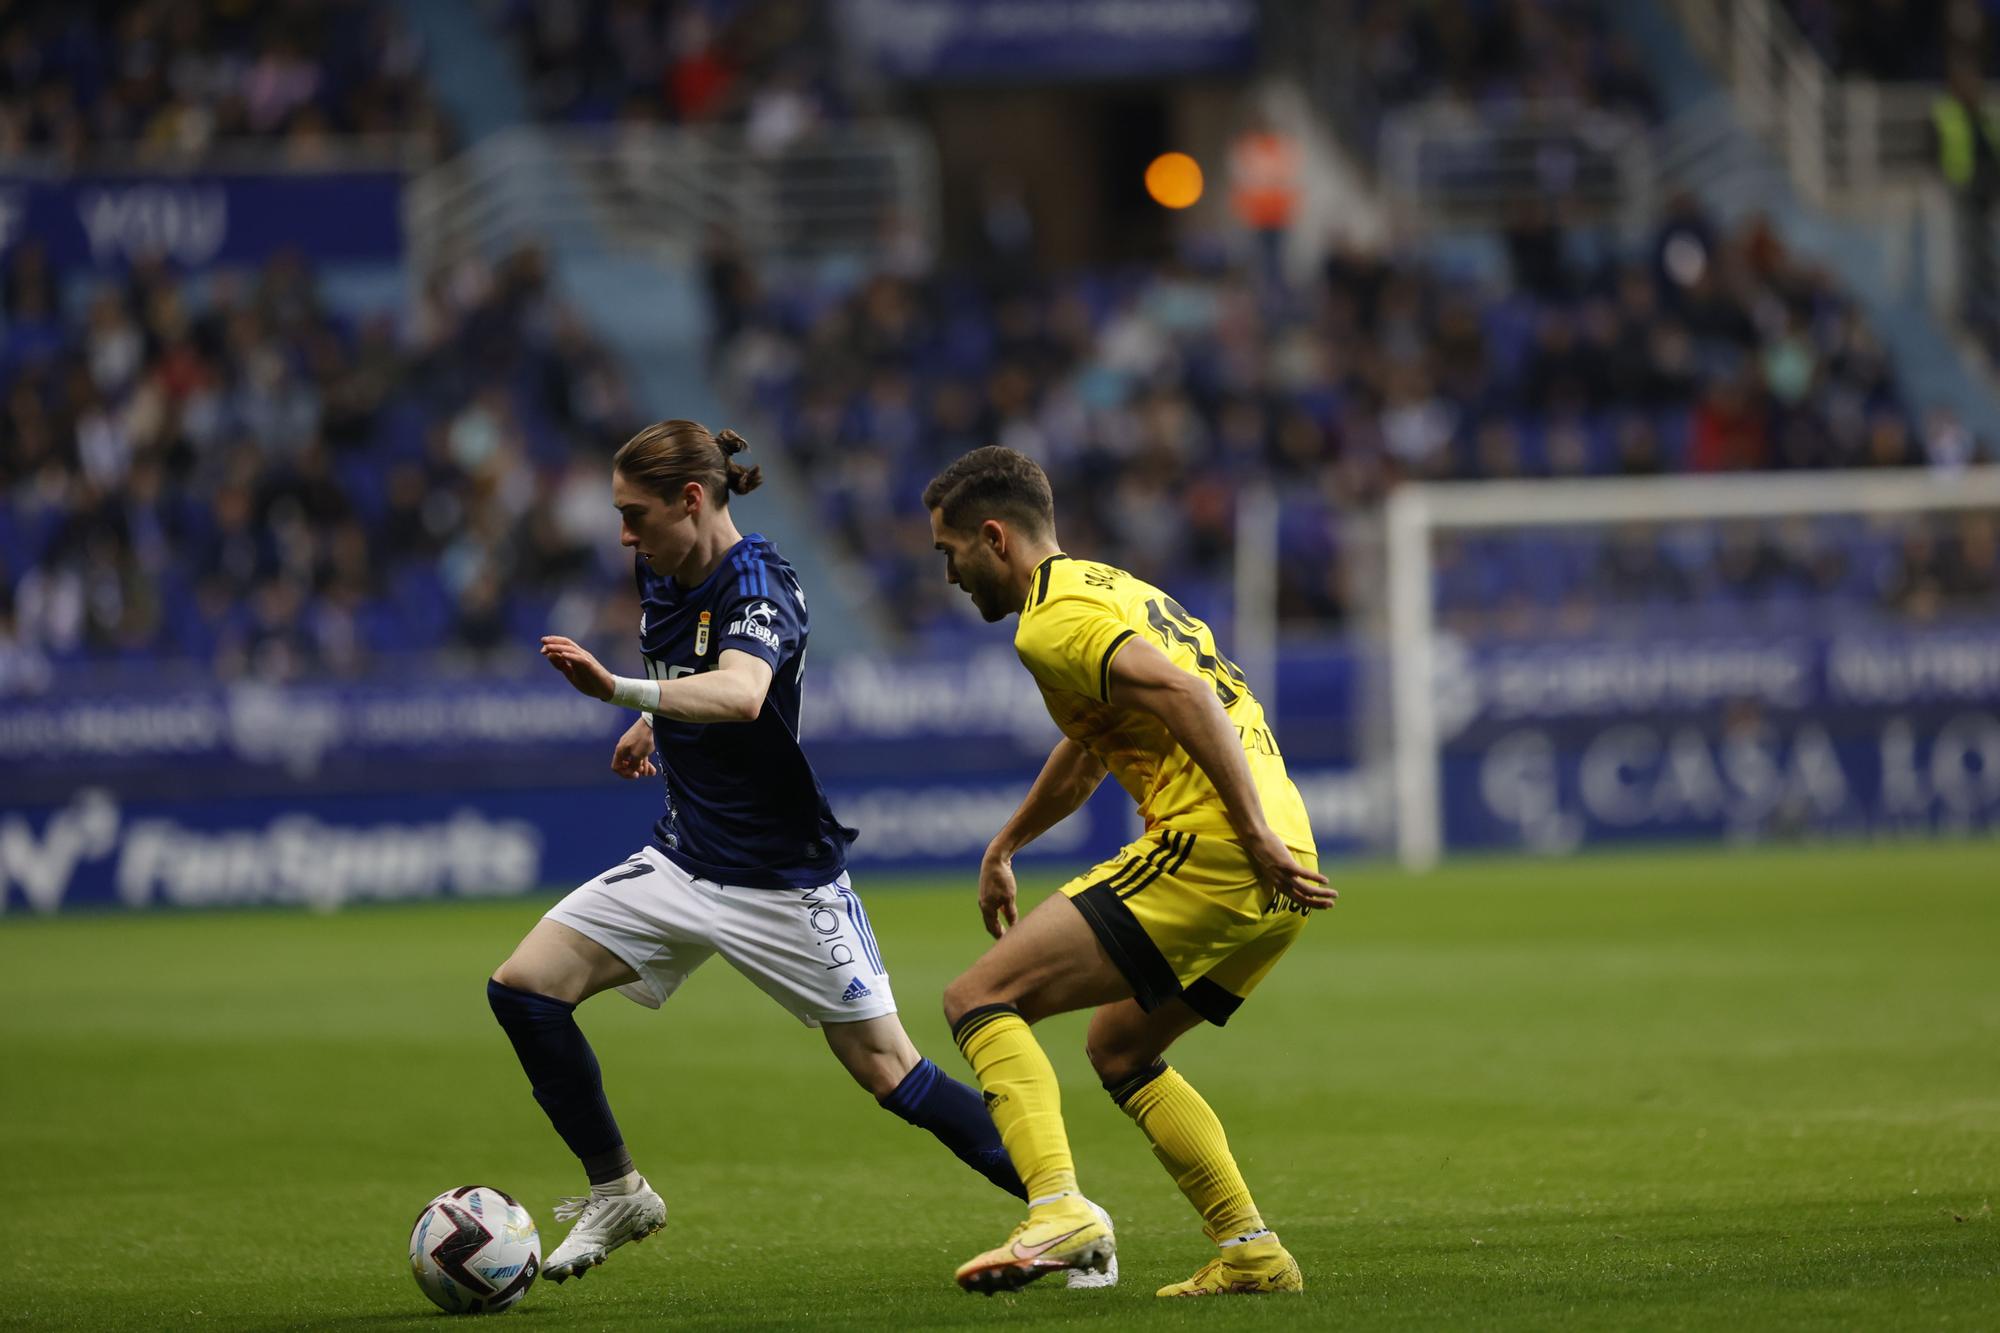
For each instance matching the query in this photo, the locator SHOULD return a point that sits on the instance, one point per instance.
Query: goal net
(1745, 656)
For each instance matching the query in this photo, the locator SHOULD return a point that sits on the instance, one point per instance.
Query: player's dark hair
(993, 482)
(667, 455)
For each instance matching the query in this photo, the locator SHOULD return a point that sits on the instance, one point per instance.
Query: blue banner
(1042, 40)
(864, 721)
(204, 794)
(97, 849)
(202, 220)
(201, 794)
(1551, 747)
(1741, 777)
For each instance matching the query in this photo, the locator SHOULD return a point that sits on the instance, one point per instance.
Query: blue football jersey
(743, 805)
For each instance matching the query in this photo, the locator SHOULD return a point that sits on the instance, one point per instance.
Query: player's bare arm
(1059, 791)
(1143, 678)
(733, 692)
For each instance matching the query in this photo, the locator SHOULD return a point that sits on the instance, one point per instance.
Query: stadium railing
(1855, 146)
(1449, 165)
(843, 190)
(1843, 140)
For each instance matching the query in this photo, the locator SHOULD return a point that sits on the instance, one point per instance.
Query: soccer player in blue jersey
(747, 861)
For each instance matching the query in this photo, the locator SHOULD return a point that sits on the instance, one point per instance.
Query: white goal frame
(1416, 513)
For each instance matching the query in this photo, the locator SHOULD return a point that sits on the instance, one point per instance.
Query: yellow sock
(1188, 1140)
(1021, 1095)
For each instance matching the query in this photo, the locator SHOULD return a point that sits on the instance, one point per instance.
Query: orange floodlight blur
(1174, 180)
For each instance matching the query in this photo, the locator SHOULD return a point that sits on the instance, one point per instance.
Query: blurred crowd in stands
(766, 66)
(224, 471)
(169, 80)
(1154, 396)
(220, 468)
(1485, 51)
(1896, 40)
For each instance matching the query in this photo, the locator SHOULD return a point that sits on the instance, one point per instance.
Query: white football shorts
(811, 950)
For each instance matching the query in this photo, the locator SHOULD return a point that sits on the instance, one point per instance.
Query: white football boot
(603, 1223)
(1083, 1277)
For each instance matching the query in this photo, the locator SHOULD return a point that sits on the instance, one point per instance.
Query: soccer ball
(474, 1250)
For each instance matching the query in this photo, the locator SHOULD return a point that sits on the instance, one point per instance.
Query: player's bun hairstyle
(993, 482)
(667, 455)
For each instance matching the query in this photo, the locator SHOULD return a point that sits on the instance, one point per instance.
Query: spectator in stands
(228, 470)
(170, 81)
(1264, 192)
(1534, 248)
(1498, 57)
(1948, 445)
(1966, 138)
(1724, 352)
(763, 64)
(1913, 585)
(251, 481)
(1879, 39)
(1972, 575)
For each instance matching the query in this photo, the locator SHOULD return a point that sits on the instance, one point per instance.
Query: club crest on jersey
(701, 635)
(756, 623)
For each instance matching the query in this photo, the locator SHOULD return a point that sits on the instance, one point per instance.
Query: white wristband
(635, 692)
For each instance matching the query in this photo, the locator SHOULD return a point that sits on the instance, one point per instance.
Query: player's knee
(959, 1001)
(538, 969)
(513, 976)
(501, 996)
(526, 978)
(1124, 1083)
(968, 993)
(880, 1074)
(962, 996)
(1112, 1058)
(877, 1053)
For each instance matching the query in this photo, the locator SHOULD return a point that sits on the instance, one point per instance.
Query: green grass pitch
(1679, 1090)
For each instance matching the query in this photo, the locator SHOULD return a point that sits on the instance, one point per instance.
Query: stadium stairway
(470, 69)
(1742, 177)
(650, 310)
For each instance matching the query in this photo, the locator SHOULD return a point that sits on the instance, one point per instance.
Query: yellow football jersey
(1079, 614)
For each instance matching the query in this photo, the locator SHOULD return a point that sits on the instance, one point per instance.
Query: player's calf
(956, 1115)
(563, 1071)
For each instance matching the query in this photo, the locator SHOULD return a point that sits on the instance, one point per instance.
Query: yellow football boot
(1064, 1233)
(1249, 1269)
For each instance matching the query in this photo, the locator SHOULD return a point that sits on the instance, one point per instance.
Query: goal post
(1418, 515)
(1255, 592)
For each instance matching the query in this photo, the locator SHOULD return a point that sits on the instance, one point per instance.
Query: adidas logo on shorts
(856, 990)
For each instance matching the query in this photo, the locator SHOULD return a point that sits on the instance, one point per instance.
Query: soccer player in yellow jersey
(1175, 930)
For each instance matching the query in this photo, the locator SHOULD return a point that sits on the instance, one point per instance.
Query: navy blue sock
(563, 1070)
(931, 1099)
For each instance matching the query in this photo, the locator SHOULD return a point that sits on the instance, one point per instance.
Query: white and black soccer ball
(474, 1250)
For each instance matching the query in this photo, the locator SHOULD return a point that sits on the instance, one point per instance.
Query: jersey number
(1175, 625)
